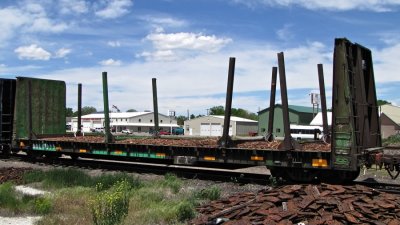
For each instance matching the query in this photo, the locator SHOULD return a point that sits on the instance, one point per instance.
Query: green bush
(211, 193)
(185, 211)
(111, 206)
(8, 197)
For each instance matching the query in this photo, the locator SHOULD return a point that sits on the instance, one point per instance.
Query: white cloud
(73, 6)
(11, 20)
(32, 52)
(386, 63)
(62, 52)
(285, 33)
(189, 41)
(110, 62)
(44, 24)
(114, 9)
(27, 18)
(336, 5)
(160, 55)
(169, 46)
(165, 21)
(114, 43)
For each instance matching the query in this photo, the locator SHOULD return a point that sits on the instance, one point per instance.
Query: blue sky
(186, 45)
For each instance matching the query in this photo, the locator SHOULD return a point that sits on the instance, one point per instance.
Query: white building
(317, 121)
(214, 125)
(134, 121)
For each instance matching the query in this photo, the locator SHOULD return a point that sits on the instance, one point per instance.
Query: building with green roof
(300, 115)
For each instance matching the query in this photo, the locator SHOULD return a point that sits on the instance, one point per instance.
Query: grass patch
(108, 180)
(70, 206)
(171, 181)
(64, 178)
(161, 202)
(392, 140)
(211, 193)
(114, 199)
(13, 202)
(8, 197)
(59, 178)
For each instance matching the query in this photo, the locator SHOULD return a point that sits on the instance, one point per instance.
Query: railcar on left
(30, 108)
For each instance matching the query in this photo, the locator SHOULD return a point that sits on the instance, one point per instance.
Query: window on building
(140, 120)
(139, 129)
(278, 130)
(151, 121)
(126, 120)
(160, 121)
(262, 129)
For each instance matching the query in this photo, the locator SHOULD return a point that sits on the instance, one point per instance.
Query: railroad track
(188, 172)
(384, 187)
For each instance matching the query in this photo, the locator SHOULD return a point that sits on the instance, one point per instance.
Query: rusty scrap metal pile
(306, 204)
(194, 142)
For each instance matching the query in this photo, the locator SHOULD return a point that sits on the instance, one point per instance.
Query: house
(299, 115)
(134, 121)
(213, 126)
(390, 120)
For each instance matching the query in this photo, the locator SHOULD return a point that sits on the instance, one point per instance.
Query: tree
(216, 110)
(131, 110)
(239, 112)
(69, 112)
(86, 110)
(181, 119)
(383, 102)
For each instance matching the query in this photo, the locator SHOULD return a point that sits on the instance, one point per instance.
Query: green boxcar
(48, 99)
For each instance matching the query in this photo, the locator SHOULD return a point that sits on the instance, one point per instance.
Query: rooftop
(115, 115)
(297, 108)
(391, 111)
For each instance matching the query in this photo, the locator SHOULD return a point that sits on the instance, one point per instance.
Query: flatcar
(33, 120)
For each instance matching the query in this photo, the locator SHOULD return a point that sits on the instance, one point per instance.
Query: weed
(111, 206)
(211, 193)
